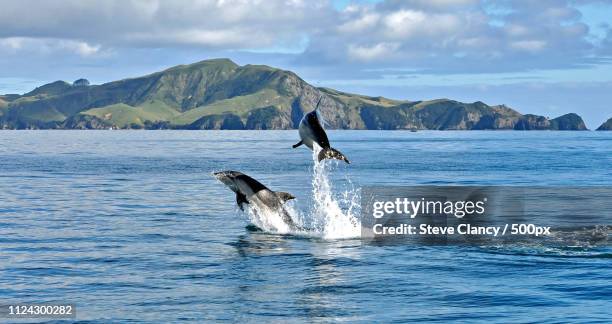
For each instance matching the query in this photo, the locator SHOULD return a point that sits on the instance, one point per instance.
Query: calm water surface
(131, 227)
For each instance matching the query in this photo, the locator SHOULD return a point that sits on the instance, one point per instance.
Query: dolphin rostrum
(311, 131)
(251, 191)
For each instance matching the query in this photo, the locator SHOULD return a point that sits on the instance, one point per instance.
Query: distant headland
(219, 94)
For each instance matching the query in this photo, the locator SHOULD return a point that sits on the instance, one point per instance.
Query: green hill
(606, 126)
(219, 94)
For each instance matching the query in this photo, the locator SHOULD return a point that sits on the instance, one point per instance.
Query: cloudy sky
(547, 57)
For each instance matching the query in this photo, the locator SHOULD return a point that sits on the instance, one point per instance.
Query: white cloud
(11, 43)
(529, 45)
(447, 3)
(516, 30)
(228, 38)
(47, 45)
(377, 51)
(441, 35)
(81, 48)
(360, 24)
(404, 23)
(459, 35)
(139, 23)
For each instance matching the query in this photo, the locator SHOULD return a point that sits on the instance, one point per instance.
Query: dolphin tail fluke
(331, 153)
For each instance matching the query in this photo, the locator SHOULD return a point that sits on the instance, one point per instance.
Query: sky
(547, 57)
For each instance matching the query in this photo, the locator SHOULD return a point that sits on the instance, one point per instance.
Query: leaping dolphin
(251, 191)
(311, 131)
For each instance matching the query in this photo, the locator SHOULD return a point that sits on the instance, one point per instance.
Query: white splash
(332, 216)
(269, 220)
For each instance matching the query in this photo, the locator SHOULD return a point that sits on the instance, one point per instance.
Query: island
(220, 94)
(606, 126)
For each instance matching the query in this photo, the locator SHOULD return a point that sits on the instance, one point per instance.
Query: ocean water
(131, 227)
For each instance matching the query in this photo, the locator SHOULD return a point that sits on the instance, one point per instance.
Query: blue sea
(130, 226)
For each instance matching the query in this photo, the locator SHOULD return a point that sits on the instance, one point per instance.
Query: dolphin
(251, 191)
(311, 132)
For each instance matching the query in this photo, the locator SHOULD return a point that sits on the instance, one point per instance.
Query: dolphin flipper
(331, 153)
(298, 144)
(241, 199)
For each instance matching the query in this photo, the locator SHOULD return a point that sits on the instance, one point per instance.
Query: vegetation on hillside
(219, 94)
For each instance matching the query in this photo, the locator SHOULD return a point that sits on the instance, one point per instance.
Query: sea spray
(271, 220)
(332, 217)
